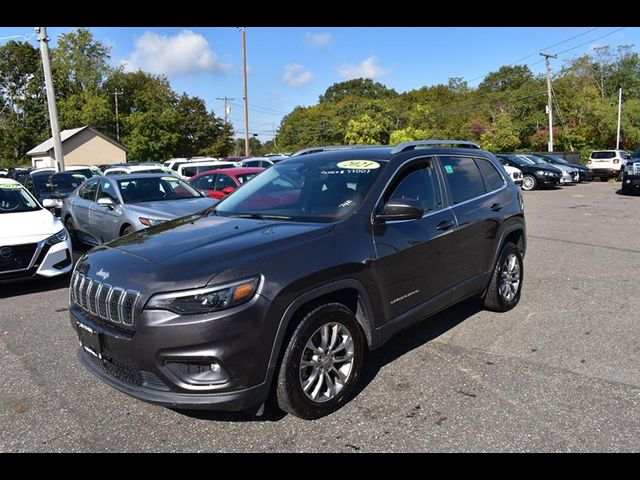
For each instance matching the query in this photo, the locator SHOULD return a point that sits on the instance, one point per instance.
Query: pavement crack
(608, 247)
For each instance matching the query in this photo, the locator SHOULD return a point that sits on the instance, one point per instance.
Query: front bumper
(47, 261)
(548, 181)
(138, 362)
(631, 183)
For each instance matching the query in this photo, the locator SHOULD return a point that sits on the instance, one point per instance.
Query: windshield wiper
(260, 216)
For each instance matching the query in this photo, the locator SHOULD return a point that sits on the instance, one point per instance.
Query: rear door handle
(495, 207)
(445, 225)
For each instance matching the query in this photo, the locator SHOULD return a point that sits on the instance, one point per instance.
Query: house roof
(65, 135)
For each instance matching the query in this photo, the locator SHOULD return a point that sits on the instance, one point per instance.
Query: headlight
(61, 236)
(149, 222)
(206, 300)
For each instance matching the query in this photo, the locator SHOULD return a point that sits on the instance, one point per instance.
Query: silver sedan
(105, 208)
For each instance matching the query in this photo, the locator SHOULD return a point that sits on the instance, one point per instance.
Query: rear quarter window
(492, 178)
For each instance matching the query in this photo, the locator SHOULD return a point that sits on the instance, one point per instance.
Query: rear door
(477, 212)
(223, 181)
(413, 257)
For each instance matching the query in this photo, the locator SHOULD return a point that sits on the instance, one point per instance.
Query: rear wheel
(506, 282)
(322, 363)
(529, 182)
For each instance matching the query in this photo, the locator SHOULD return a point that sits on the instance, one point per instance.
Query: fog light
(215, 368)
(210, 373)
(628, 181)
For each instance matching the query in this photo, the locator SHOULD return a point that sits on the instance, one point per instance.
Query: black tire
(73, 234)
(529, 183)
(626, 190)
(494, 300)
(127, 230)
(289, 391)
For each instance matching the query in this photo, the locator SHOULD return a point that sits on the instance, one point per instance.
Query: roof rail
(405, 146)
(329, 148)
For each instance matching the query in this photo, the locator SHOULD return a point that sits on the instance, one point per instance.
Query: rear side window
(463, 177)
(603, 155)
(417, 182)
(205, 182)
(189, 171)
(492, 178)
(224, 181)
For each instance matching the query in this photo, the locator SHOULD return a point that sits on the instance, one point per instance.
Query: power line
(544, 48)
(561, 119)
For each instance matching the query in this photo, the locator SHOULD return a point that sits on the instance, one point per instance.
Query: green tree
(502, 136)
(365, 130)
(359, 87)
(506, 78)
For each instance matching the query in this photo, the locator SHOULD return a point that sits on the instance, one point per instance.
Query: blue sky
(293, 66)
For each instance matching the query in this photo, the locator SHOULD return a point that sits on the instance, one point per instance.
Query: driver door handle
(496, 207)
(445, 225)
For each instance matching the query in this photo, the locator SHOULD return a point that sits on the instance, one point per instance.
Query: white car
(87, 170)
(262, 162)
(515, 174)
(188, 170)
(32, 240)
(606, 164)
(138, 169)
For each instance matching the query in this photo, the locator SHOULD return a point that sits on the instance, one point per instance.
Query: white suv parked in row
(606, 163)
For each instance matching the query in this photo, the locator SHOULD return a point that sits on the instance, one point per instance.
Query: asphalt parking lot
(560, 372)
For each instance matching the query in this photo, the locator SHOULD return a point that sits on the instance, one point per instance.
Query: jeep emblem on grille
(102, 274)
(5, 252)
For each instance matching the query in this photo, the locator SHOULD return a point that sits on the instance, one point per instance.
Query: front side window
(15, 198)
(108, 191)
(463, 177)
(189, 171)
(88, 192)
(319, 190)
(224, 181)
(153, 189)
(492, 178)
(205, 182)
(418, 182)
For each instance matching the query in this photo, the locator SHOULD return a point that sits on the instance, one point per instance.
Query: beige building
(80, 146)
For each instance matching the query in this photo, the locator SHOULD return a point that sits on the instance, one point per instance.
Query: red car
(221, 182)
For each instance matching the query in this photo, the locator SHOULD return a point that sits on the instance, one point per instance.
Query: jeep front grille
(636, 168)
(102, 300)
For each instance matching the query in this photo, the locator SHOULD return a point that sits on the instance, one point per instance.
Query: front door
(105, 221)
(413, 259)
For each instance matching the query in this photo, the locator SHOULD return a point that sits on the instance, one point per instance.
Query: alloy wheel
(326, 363)
(510, 277)
(528, 183)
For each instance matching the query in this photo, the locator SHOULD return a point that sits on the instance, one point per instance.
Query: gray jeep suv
(282, 287)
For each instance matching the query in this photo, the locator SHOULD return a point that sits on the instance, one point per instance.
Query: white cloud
(182, 54)
(318, 39)
(368, 68)
(295, 75)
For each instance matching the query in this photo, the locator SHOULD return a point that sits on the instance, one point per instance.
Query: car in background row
(219, 183)
(32, 241)
(515, 174)
(138, 169)
(607, 164)
(106, 208)
(86, 170)
(533, 176)
(584, 174)
(188, 170)
(569, 174)
(51, 188)
(4, 172)
(262, 162)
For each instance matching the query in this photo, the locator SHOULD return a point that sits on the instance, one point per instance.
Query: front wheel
(322, 363)
(506, 282)
(127, 230)
(529, 182)
(71, 229)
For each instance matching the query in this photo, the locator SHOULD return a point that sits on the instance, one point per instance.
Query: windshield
(14, 198)
(153, 189)
(65, 182)
(520, 161)
(535, 160)
(556, 159)
(306, 190)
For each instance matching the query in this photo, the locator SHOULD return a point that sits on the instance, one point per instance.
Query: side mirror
(106, 202)
(401, 209)
(228, 190)
(51, 203)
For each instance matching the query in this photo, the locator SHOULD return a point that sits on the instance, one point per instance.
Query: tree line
(506, 112)
(155, 122)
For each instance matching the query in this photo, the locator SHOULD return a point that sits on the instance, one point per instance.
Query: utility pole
(51, 98)
(619, 118)
(115, 94)
(275, 143)
(244, 93)
(225, 99)
(550, 99)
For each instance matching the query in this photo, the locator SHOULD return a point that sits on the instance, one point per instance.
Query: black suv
(631, 175)
(281, 287)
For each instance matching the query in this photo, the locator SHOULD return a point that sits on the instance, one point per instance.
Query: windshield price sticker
(168, 179)
(358, 165)
(9, 186)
